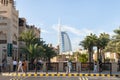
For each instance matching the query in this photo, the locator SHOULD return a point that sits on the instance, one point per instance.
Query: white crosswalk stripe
(83, 78)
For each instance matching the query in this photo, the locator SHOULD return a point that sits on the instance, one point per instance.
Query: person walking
(95, 66)
(100, 65)
(24, 65)
(20, 66)
(69, 65)
(14, 65)
(35, 64)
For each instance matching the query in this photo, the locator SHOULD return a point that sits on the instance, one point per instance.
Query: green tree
(35, 47)
(83, 58)
(49, 53)
(88, 43)
(102, 42)
(76, 54)
(114, 44)
(28, 37)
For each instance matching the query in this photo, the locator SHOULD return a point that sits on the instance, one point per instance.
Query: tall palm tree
(102, 43)
(88, 43)
(28, 37)
(31, 42)
(114, 44)
(49, 53)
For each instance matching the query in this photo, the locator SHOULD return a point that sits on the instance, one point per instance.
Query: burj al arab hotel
(64, 42)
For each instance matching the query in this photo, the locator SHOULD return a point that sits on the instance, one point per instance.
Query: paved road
(59, 78)
(5, 77)
(103, 78)
(69, 78)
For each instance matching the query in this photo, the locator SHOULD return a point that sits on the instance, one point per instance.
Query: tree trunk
(49, 65)
(90, 51)
(98, 54)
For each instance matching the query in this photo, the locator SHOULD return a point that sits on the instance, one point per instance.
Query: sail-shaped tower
(64, 41)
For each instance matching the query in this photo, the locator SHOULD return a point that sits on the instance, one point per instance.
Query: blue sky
(78, 17)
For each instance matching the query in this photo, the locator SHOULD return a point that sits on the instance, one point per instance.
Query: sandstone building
(11, 26)
(8, 29)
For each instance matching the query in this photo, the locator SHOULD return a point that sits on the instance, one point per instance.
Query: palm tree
(102, 43)
(28, 37)
(114, 43)
(31, 42)
(35, 47)
(88, 43)
(49, 53)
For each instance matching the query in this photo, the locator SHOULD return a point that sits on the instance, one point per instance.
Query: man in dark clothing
(100, 65)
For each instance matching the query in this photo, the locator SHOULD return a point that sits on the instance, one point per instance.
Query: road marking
(83, 78)
(86, 78)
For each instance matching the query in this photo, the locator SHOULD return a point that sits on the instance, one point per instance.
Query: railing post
(35, 68)
(46, 68)
(0, 69)
(57, 68)
(89, 67)
(110, 69)
(78, 69)
(9, 68)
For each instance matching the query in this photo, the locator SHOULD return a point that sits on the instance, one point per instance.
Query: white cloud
(44, 31)
(73, 30)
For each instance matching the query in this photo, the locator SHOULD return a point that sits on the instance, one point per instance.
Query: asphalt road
(59, 78)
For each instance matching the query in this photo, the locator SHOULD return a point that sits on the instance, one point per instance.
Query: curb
(15, 79)
(57, 75)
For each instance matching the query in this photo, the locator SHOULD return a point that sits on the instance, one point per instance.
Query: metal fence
(52, 67)
(89, 67)
(55, 67)
(73, 66)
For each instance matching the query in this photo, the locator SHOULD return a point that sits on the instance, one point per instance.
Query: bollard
(78, 69)
(110, 69)
(89, 67)
(68, 70)
(9, 68)
(46, 69)
(57, 69)
(0, 69)
(36, 69)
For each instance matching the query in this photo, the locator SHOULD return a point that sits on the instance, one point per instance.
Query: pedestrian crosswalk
(83, 78)
(56, 78)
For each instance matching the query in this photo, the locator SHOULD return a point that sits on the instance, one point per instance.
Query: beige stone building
(11, 26)
(8, 30)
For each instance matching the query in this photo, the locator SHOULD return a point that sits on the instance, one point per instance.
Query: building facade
(8, 30)
(11, 26)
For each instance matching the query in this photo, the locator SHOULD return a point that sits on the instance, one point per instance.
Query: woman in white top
(20, 66)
